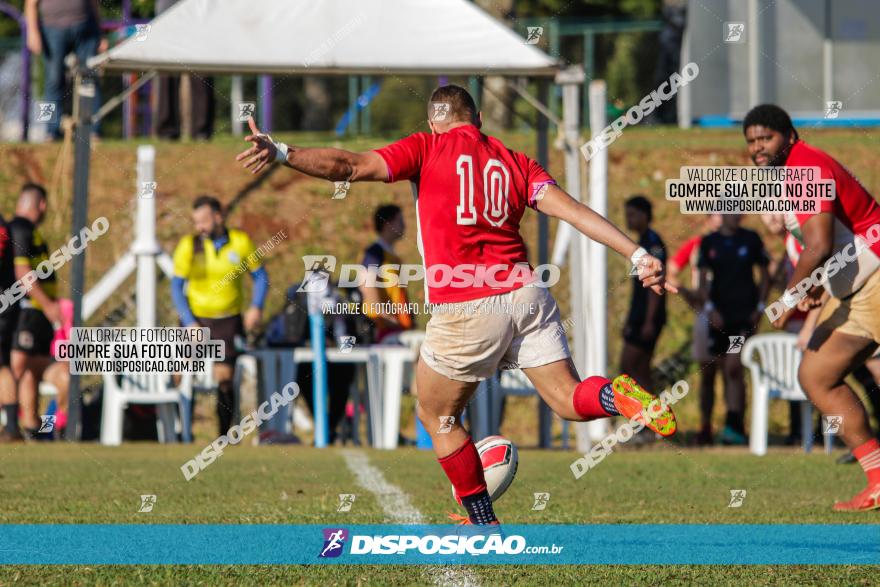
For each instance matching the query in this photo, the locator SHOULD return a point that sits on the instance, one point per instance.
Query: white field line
(398, 509)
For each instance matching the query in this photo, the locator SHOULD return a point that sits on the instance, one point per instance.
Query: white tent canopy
(431, 37)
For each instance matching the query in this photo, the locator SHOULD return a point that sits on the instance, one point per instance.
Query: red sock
(868, 456)
(464, 469)
(586, 398)
(60, 418)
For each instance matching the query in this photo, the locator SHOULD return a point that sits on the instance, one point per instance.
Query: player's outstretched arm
(557, 203)
(325, 163)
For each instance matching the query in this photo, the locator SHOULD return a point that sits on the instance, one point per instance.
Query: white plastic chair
(140, 388)
(412, 338)
(773, 360)
(203, 381)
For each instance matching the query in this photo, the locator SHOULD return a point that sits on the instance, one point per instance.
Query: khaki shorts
(857, 315)
(470, 341)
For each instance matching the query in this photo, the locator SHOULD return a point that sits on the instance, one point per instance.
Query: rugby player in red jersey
(848, 332)
(471, 192)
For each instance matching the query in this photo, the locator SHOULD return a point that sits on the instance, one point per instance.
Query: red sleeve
(404, 158)
(682, 256)
(804, 158)
(537, 178)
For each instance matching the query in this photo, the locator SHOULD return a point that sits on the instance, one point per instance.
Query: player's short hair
(462, 107)
(642, 204)
(384, 215)
(35, 188)
(771, 116)
(206, 200)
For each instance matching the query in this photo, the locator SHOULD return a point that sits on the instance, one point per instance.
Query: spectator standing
(647, 310)
(54, 29)
(734, 303)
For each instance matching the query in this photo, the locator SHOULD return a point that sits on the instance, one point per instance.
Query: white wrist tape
(789, 300)
(281, 152)
(637, 256)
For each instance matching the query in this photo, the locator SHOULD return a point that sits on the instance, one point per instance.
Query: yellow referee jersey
(215, 277)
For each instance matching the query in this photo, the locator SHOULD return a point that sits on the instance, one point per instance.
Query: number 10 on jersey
(496, 186)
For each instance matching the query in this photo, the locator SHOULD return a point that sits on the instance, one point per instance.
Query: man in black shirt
(647, 310)
(32, 339)
(734, 304)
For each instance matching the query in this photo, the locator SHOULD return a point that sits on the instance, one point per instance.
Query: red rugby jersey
(471, 192)
(853, 206)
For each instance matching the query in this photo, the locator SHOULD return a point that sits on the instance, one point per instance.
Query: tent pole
(684, 103)
(581, 301)
(754, 55)
(236, 97)
(475, 85)
(541, 125)
(352, 103)
(589, 70)
(145, 246)
(545, 417)
(266, 103)
(85, 95)
(598, 264)
(594, 278)
(366, 82)
(828, 57)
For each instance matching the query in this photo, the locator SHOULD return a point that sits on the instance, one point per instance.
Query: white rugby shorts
(519, 329)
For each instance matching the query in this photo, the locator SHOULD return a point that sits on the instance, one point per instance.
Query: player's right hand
(262, 151)
(652, 274)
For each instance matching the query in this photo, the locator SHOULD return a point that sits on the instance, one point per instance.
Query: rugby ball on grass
(500, 460)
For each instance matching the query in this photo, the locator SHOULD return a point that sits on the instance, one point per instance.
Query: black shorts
(730, 338)
(225, 329)
(632, 334)
(8, 324)
(34, 333)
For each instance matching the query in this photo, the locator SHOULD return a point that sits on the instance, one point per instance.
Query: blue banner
(420, 544)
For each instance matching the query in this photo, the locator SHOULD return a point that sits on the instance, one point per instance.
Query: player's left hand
(652, 274)
(262, 151)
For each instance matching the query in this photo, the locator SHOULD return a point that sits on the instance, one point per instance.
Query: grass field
(91, 484)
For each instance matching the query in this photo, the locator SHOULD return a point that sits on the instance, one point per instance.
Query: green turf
(87, 483)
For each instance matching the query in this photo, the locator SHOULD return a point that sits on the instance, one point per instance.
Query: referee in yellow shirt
(207, 289)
